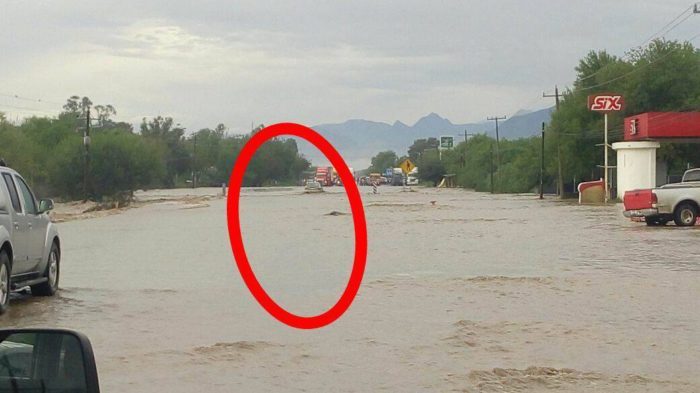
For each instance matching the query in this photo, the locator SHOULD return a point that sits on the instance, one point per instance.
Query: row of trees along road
(663, 76)
(49, 152)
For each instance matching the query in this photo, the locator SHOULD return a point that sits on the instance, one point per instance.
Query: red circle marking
(234, 226)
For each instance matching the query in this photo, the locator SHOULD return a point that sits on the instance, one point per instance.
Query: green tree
(171, 137)
(382, 161)
(471, 162)
(663, 76)
(121, 163)
(124, 163)
(276, 162)
(430, 167)
(49, 152)
(77, 106)
(421, 145)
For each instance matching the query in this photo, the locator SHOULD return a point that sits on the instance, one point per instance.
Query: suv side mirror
(46, 360)
(45, 205)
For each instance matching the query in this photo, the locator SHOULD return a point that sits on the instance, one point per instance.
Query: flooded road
(463, 292)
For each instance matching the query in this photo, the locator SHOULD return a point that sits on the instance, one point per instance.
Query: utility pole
(542, 166)
(491, 166)
(555, 95)
(86, 143)
(466, 135)
(464, 151)
(194, 163)
(560, 176)
(498, 147)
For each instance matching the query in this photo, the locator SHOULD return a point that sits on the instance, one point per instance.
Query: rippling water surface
(463, 292)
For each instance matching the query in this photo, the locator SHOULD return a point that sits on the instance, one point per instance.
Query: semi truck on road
(397, 177)
(324, 175)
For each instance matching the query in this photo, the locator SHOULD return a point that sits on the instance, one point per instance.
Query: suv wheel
(686, 214)
(52, 273)
(4, 281)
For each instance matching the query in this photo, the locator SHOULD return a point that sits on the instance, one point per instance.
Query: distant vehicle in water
(374, 179)
(30, 252)
(312, 186)
(412, 178)
(389, 173)
(336, 177)
(677, 202)
(397, 177)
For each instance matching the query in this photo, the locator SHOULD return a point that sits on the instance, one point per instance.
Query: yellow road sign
(407, 166)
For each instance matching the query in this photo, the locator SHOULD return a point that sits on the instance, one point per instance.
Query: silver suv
(30, 248)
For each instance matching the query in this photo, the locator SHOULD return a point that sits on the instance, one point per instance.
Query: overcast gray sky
(210, 61)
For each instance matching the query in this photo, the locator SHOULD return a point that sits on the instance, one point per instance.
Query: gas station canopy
(678, 126)
(644, 133)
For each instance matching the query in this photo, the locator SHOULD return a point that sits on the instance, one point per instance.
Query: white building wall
(636, 165)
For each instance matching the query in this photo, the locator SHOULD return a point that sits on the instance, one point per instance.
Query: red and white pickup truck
(677, 202)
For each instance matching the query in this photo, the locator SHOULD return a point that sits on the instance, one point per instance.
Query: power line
(636, 69)
(23, 98)
(25, 109)
(618, 130)
(669, 116)
(528, 106)
(695, 9)
(671, 22)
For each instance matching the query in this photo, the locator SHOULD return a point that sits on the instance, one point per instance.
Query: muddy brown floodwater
(463, 292)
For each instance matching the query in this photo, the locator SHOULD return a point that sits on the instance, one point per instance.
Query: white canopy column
(636, 165)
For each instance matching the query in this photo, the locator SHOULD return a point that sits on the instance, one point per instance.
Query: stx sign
(606, 102)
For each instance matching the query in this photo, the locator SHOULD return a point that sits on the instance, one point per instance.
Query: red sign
(606, 102)
(663, 125)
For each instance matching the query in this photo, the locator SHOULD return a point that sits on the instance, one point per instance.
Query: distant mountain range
(359, 140)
